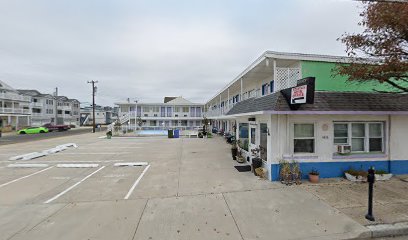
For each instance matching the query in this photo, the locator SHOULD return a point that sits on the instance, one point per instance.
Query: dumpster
(256, 163)
(176, 133)
(170, 133)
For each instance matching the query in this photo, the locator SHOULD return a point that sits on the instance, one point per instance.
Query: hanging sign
(298, 94)
(302, 93)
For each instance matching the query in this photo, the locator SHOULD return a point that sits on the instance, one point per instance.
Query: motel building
(172, 113)
(291, 107)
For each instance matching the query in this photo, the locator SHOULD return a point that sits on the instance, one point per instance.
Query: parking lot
(189, 189)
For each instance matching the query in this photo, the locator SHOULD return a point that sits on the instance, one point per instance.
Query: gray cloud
(151, 49)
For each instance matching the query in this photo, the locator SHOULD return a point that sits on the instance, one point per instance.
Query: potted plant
(314, 176)
(240, 158)
(285, 172)
(234, 151)
(109, 134)
(296, 173)
(381, 175)
(355, 175)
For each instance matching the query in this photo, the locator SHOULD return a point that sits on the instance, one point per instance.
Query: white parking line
(135, 184)
(73, 186)
(94, 153)
(18, 179)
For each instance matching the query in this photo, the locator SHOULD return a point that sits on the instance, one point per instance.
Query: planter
(234, 153)
(355, 178)
(256, 163)
(240, 159)
(383, 177)
(313, 178)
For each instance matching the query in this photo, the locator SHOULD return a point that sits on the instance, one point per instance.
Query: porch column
(16, 122)
(220, 105)
(28, 121)
(9, 120)
(274, 76)
(240, 98)
(228, 98)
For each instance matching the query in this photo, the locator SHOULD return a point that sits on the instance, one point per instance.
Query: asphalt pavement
(15, 138)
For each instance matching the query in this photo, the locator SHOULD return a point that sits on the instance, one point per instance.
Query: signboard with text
(302, 93)
(298, 94)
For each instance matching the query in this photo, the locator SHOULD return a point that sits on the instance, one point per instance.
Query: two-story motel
(174, 112)
(374, 126)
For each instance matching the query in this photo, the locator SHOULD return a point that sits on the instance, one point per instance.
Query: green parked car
(33, 130)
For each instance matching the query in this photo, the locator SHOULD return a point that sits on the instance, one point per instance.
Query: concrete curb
(386, 230)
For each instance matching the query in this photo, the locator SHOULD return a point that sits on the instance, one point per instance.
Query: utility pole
(56, 106)
(93, 103)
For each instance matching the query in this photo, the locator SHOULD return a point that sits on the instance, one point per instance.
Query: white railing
(124, 118)
(131, 128)
(130, 115)
(37, 104)
(14, 96)
(286, 78)
(15, 111)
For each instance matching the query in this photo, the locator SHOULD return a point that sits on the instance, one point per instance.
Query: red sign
(298, 94)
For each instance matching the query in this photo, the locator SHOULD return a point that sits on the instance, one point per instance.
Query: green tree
(385, 41)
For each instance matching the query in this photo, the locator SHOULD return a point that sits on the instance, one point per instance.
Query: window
(340, 133)
(146, 109)
(243, 136)
(253, 132)
(362, 136)
(271, 85)
(185, 109)
(176, 109)
(303, 138)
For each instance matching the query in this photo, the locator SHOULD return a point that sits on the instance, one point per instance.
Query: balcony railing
(36, 104)
(286, 77)
(14, 97)
(159, 116)
(15, 111)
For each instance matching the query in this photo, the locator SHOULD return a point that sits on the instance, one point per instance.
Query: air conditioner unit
(343, 149)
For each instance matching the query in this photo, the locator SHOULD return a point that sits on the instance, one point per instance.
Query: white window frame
(293, 138)
(366, 135)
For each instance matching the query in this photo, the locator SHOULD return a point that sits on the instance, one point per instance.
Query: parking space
(188, 189)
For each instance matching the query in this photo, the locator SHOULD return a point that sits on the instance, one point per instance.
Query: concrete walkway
(390, 198)
(190, 191)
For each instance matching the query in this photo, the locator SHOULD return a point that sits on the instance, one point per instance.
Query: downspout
(389, 143)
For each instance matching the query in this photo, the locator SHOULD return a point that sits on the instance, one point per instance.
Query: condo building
(45, 108)
(103, 115)
(174, 112)
(290, 106)
(15, 108)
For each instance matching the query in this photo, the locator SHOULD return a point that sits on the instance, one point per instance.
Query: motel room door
(252, 137)
(263, 141)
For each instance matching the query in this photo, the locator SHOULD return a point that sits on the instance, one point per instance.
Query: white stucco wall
(282, 137)
(399, 138)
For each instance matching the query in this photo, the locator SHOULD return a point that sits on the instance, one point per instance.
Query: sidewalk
(390, 198)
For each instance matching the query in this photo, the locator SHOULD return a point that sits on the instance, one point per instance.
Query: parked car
(33, 130)
(60, 128)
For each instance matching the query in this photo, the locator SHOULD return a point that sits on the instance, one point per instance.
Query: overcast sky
(149, 49)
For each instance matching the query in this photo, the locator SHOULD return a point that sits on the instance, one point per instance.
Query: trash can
(170, 133)
(176, 133)
(256, 163)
